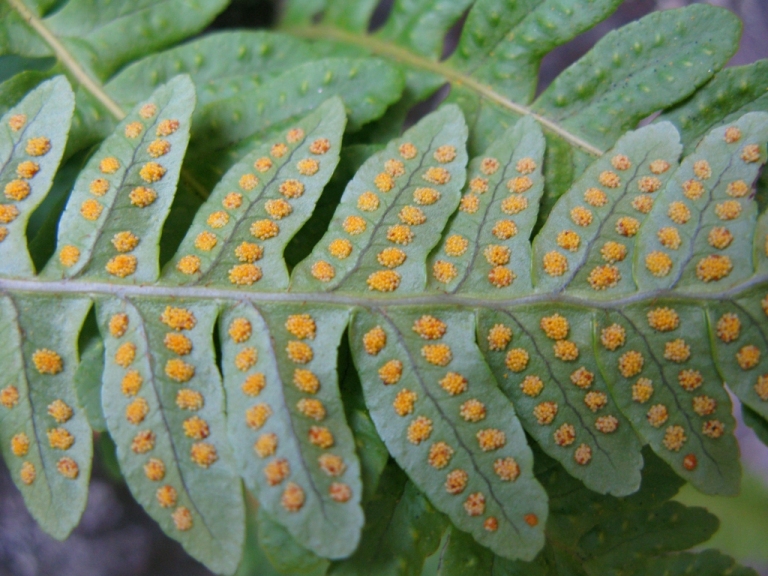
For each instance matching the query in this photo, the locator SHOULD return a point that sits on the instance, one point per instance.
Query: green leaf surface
(282, 550)
(164, 405)
(438, 411)
(287, 425)
(44, 433)
(88, 383)
(354, 15)
(33, 135)
(706, 563)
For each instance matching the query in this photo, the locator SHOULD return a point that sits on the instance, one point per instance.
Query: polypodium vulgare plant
(590, 286)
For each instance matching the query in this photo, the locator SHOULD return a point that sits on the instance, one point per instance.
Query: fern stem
(68, 60)
(394, 52)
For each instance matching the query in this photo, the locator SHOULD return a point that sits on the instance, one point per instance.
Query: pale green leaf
(88, 383)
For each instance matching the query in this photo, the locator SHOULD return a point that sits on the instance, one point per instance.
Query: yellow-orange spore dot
(167, 127)
(240, 330)
(125, 354)
(131, 383)
(244, 274)
(400, 234)
(679, 213)
(516, 359)
(613, 252)
(429, 327)
(320, 146)
(504, 229)
(67, 468)
(384, 182)
(507, 469)
(595, 197)
(368, 202)
(689, 380)
(340, 248)
(555, 327)
(693, 189)
(293, 497)
(40, 146)
(704, 405)
(47, 361)
(232, 201)
(391, 257)
(262, 164)
(143, 442)
(253, 384)
(491, 439)
(631, 363)
(339, 492)
(159, 148)
(133, 129)
(394, 168)
(728, 210)
(478, 185)
(20, 444)
(748, 357)
(669, 237)
(141, 196)
(472, 410)
(728, 327)
(391, 371)
(196, 428)
(188, 265)
(277, 471)
(545, 412)
(437, 354)
(320, 437)
(182, 519)
(27, 169)
(613, 337)
(453, 383)
(738, 189)
(440, 455)
(499, 337)
(308, 166)
(761, 387)
(69, 255)
(642, 204)
(713, 268)
(404, 402)
(17, 122)
(456, 481)
(257, 415)
(603, 277)
(531, 386)
(445, 154)
(607, 424)
(17, 190)
(566, 350)
(555, 264)
(657, 415)
(702, 169)
(719, 237)
(264, 229)
(519, 184)
(658, 263)
(582, 455)
(249, 252)
(99, 187)
(713, 429)
(178, 318)
(154, 469)
(475, 504)
(437, 175)
(621, 162)
(203, 454)
(125, 241)
(384, 281)
(496, 254)
(147, 111)
(299, 352)
(246, 359)
(9, 396)
(609, 179)
(565, 435)
(60, 438)
(627, 226)
(426, 196)
(178, 370)
(444, 271)
(663, 319)
(294, 135)
(354, 225)
(674, 438)
(265, 445)
(677, 351)
(152, 172)
(642, 390)
(331, 464)
(374, 340)
(311, 408)
(278, 209)
(166, 496)
(306, 381)
(218, 219)
(121, 266)
(91, 209)
(582, 378)
(28, 473)
(568, 240)
(136, 411)
(412, 216)
(408, 151)
(732, 134)
(649, 184)
(514, 204)
(187, 399)
(419, 430)
(750, 153)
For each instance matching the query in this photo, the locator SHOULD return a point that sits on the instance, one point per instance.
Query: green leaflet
(239, 234)
(46, 440)
(33, 135)
(354, 15)
(164, 406)
(284, 552)
(586, 244)
(88, 383)
(110, 228)
(544, 363)
(701, 228)
(287, 425)
(435, 406)
(392, 212)
(486, 247)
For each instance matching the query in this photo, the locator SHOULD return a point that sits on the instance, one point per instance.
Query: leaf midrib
(393, 52)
